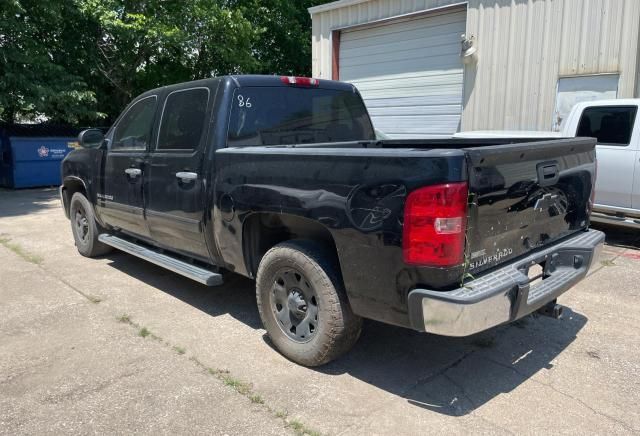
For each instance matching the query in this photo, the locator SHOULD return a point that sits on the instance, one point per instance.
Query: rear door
(120, 201)
(526, 196)
(612, 126)
(175, 182)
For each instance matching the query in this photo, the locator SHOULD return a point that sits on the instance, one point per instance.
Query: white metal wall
(524, 46)
(409, 73)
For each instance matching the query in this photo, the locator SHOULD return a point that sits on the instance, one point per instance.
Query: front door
(120, 199)
(174, 179)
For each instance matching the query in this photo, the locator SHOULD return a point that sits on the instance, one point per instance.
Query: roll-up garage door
(409, 73)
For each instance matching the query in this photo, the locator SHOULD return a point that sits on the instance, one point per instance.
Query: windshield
(277, 115)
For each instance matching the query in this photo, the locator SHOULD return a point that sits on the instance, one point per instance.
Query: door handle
(133, 172)
(548, 173)
(186, 176)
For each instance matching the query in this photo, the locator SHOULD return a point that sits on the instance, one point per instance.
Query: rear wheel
(85, 228)
(303, 305)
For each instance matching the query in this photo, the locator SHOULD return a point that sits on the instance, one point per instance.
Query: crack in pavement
(405, 392)
(566, 395)
(292, 425)
(424, 380)
(474, 406)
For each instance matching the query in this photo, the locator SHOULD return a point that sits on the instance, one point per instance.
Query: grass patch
(124, 318)
(300, 429)
(257, 399)
(20, 251)
(94, 300)
(237, 385)
(607, 262)
(243, 388)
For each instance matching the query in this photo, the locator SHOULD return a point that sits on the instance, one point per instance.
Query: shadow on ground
(27, 201)
(452, 376)
(619, 236)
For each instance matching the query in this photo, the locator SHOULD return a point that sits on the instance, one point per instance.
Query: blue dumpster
(31, 155)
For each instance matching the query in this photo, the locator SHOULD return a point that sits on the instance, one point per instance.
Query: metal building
(434, 67)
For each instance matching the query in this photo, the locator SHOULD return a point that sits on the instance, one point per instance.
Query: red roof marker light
(299, 81)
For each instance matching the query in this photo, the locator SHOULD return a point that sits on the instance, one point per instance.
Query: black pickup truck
(282, 179)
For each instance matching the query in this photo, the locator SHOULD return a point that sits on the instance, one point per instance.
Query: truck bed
(358, 189)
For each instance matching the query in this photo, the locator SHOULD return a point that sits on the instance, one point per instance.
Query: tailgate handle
(548, 173)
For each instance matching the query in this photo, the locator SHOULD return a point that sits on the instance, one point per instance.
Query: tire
(303, 305)
(84, 227)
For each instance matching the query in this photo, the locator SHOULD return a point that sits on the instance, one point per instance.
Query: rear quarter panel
(356, 194)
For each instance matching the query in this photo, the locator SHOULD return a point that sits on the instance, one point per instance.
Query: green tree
(284, 46)
(65, 59)
(144, 44)
(34, 81)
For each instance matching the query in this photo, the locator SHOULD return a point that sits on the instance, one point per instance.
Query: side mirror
(91, 138)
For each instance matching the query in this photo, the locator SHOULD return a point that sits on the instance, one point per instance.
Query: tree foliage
(77, 61)
(34, 80)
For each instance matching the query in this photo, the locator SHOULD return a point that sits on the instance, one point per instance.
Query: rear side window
(609, 124)
(183, 120)
(133, 131)
(279, 115)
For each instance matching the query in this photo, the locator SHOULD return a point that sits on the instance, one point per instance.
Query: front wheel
(303, 305)
(84, 227)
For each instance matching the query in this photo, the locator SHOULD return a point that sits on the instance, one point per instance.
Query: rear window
(609, 124)
(183, 120)
(277, 115)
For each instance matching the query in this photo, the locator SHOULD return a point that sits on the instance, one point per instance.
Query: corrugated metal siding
(524, 46)
(409, 73)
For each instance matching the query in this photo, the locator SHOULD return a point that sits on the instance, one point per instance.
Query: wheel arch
(263, 230)
(71, 185)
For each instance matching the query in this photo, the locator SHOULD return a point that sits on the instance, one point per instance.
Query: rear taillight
(299, 81)
(435, 219)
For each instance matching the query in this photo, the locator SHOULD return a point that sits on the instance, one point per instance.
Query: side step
(186, 269)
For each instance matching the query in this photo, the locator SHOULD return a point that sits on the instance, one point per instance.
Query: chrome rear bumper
(506, 294)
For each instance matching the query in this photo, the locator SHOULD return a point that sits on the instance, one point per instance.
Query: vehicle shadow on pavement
(27, 201)
(451, 376)
(619, 236)
(237, 297)
(455, 376)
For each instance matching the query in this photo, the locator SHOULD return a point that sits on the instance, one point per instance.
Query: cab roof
(247, 80)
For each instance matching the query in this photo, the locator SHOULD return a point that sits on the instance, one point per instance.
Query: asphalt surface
(117, 345)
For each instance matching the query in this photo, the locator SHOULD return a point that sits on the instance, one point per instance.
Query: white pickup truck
(613, 123)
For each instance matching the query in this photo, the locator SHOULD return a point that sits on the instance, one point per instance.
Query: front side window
(611, 125)
(133, 131)
(183, 120)
(289, 115)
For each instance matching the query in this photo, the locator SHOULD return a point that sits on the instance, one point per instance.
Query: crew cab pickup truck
(281, 179)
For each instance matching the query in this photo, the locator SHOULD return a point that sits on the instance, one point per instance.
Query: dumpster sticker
(43, 151)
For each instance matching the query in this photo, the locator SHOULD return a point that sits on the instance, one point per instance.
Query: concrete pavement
(72, 358)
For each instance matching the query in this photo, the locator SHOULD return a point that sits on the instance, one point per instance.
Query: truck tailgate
(525, 196)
